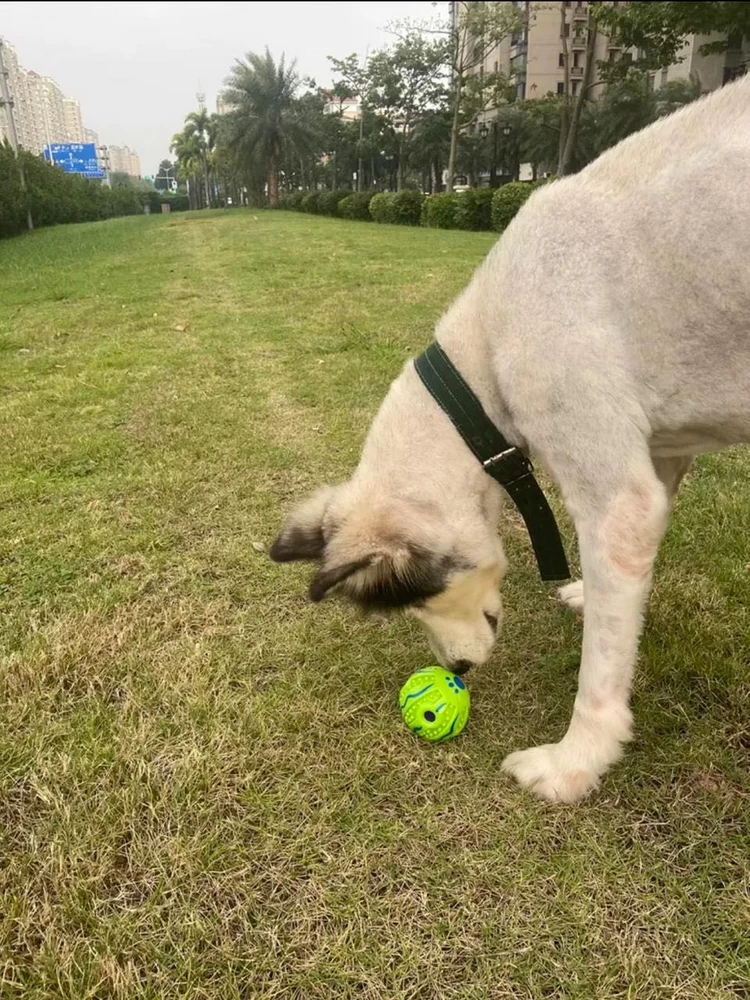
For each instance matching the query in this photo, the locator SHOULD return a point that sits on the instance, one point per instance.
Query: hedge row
(55, 197)
(475, 209)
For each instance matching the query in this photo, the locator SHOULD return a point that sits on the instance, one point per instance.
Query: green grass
(206, 790)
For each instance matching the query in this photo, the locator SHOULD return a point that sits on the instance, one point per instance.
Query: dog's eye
(491, 621)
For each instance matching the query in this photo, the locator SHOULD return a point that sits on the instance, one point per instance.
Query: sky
(136, 67)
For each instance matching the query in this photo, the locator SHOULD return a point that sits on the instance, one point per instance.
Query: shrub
(177, 202)
(439, 211)
(407, 208)
(328, 202)
(381, 207)
(356, 206)
(55, 197)
(293, 200)
(474, 209)
(506, 203)
(310, 202)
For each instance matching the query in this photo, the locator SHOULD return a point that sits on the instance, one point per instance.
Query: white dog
(607, 335)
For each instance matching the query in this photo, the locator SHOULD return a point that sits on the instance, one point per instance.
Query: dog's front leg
(619, 534)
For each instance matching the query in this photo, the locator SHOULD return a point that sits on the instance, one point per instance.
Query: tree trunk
(588, 72)
(565, 111)
(454, 132)
(205, 181)
(360, 159)
(273, 183)
(400, 169)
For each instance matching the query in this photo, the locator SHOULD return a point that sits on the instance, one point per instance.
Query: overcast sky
(136, 67)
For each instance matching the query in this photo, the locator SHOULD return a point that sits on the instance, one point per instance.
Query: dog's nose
(461, 666)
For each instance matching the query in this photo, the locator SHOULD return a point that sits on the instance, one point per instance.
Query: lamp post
(507, 131)
(484, 131)
(389, 158)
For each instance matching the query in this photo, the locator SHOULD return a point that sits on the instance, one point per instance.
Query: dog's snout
(461, 666)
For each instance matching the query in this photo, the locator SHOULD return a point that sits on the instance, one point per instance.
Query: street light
(507, 129)
(484, 131)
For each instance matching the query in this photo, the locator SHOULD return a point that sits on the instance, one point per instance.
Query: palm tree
(202, 125)
(187, 150)
(263, 121)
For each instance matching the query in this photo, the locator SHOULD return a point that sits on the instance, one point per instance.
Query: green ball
(435, 704)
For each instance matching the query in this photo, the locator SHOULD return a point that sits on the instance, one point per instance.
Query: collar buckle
(508, 466)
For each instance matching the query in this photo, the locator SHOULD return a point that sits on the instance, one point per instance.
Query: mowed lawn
(206, 789)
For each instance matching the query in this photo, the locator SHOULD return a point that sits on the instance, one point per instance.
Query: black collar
(500, 459)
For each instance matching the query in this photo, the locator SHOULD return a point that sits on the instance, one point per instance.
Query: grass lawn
(206, 789)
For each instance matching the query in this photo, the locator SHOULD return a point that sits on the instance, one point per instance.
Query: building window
(561, 59)
(560, 89)
(576, 59)
(566, 32)
(496, 66)
(575, 85)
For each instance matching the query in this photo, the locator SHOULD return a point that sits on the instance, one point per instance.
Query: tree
(569, 125)
(186, 148)
(202, 126)
(353, 82)
(475, 30)
(263, 121)
(658, 31)
(429, 145)
(404, 82)
(166, 173)
(631, 104)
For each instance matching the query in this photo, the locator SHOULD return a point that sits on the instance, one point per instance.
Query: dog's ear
(325, 579)
(302, 535)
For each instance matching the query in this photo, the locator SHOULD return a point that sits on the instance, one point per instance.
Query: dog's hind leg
(671, 472)
(620, 506)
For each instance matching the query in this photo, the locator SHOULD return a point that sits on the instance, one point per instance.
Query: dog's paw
(552, 772)
(572, 596)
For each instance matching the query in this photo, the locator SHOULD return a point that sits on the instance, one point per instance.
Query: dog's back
(639, 267)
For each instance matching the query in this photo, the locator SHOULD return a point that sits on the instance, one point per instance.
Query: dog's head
(443, 568)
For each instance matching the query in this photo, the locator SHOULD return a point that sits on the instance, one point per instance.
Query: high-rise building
(534, 57)
(42, 114)
(73, 120)
(124, 160)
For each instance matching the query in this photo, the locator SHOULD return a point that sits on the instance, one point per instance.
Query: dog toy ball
(435, 704)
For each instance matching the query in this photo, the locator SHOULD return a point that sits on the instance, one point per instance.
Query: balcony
(576, 72)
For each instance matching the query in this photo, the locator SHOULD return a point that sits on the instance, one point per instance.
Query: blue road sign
(75, 158)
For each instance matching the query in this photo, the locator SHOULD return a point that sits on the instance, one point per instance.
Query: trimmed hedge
(310, 202)
(507, 201)
(55, 197)
(439, 211)
(380, 208)
(474, 209)
(401, 208)
(407, 207)
(328, 202)
(356, 206)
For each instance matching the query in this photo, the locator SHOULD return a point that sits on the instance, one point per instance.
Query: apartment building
(124, 160)
(533, 58)
(42, 114)
(73, 120)
(536, 56)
